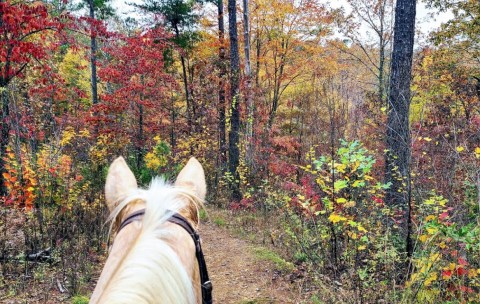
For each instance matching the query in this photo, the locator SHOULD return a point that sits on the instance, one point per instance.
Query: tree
(248, 89)
(445, 116)
(101, 9)
(22, 41)
(398, 132)
(140, 84)
(289, 31)
(377, 15)
(234, 136)
(222, 142)
(462, 32)
(179, 16)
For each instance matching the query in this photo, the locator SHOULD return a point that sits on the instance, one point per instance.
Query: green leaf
(358, 183)
(339, 185)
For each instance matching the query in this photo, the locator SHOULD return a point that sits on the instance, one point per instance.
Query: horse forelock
(164, 196)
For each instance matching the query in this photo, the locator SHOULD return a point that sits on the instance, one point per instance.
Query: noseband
(182, 222)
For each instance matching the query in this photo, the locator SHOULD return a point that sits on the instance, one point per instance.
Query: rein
(176, 218)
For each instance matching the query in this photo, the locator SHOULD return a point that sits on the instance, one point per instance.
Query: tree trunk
(185, 81)
(398, 132)
(222, 140)
(5, 125)
(173, 137)
(233, 138)
(381, 74)
(258, 52)
(140, 137)
(248, 90)
(93, 54)
(278, 77)
(383, 42)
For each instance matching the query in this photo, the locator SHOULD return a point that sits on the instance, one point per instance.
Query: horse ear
(192, 176)
(120, 182)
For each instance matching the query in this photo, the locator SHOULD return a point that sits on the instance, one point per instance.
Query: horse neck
(120, 248)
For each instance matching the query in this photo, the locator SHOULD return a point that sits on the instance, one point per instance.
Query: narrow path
(237, 275)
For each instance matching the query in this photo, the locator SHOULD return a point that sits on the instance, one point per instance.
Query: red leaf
(446, 274)
(466, 289)
(461, 271)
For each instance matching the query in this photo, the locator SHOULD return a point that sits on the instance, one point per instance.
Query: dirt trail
(237, 275)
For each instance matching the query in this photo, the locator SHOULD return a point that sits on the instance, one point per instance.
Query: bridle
(182, 222)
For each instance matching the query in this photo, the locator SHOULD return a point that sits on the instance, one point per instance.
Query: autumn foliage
(311, 143)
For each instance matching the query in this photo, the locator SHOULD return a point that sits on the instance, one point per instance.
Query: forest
(339, 135)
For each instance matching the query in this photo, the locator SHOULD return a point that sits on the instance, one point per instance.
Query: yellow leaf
(427, 139)
(472, 273)
(361, 229)
(335, 218)
(356, 183)
(383, 109)
(477, 152)
(341, 167)
(460, 149)
(423, 238)
(350, 204)
(430, 279)
(430, 217)
(431, 230)
(341, 200)
(362, 247)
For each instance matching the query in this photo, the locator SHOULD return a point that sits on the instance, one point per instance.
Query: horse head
(154, 257)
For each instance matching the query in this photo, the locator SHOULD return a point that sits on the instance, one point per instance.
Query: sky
(425, 21)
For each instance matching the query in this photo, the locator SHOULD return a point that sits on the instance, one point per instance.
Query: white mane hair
(151, 272)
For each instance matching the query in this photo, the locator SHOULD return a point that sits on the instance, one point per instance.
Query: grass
(80, 300)
(268, 255)
(203, 215)
(219, 222)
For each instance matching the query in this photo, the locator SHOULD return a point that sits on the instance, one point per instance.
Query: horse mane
(151, 272)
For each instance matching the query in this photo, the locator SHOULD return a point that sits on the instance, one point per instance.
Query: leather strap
(182, 222)
(135, 216)
(205, 281)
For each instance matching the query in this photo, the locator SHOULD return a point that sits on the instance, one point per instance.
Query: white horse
(154, 259)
